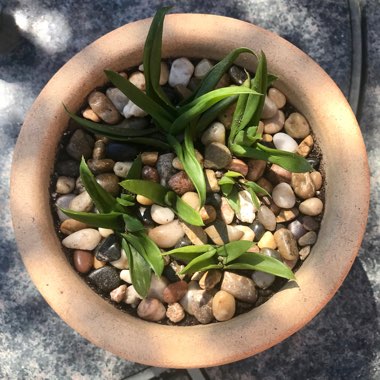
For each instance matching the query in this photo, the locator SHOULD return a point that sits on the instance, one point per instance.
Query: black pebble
(109, 249)
(258, 229)
(121, 152)
(183, 242)
(69, 168)
(237, 75)
(214, 199)
(105, 279)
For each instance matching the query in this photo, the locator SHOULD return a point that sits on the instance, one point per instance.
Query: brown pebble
(208, 214)
(89, 114)
(175, 312)
(83, 260)
(255, 169)
(109, 182)
(99, 151)
(70, 226)
(181, 183)
(103, 107)
(149, 158)
(174, 292)
(101, 166)
(305, 147)
(150, 174)
(287, 215)
(98, 264)
(277, 174)
(239, 166)
(118, 294)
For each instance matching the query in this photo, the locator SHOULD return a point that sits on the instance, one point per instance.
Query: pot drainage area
(37, 38)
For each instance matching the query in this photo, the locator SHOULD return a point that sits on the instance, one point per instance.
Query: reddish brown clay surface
(307, 87)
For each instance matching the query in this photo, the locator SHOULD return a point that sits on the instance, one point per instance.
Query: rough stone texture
(340, 343)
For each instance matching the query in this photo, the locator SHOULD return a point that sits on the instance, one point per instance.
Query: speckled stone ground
(38, 37)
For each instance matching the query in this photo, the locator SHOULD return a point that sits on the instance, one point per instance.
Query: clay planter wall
(307, 87)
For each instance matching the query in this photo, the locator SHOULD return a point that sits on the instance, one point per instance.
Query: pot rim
(306, 86)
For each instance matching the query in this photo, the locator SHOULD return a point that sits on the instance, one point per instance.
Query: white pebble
(125, 275)
(138, 79)
(202, 68)
(161, 215)
(122, 262)
(63, 202)
(180, 72)
(105, 232)
(283, 195)
(285, 142)
(118, 99)
(81, 203)
(121, 169)
(65, 185)
(86, 239)
(132, 110)
(247, 208)
(132, 297)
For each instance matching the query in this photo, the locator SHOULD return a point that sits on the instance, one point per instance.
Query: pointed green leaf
(232, 174)
(141, 273)
(234, 249)
(256, 188)
(103, 200)
(153, 253)
(151, 190)
(125, 202)
(257, 261)
(112, 220)
(136, 168)
(182, 209)
(233, 200)
(132, 224)
(255, 199)
(204, 260)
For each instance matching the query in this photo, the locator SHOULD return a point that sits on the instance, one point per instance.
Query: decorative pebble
(89, 114)
(81, 203)
(310, 223)
(283, 196)
(269, 109)
(271, 253)
(267, 241)
(226, 116)
(101, 166)
(220, 233)
(304, 252)
(181, 183)
(263, 280)
(83, 260)
(149, 158)
(132, 297)
(69, 226)
(247, 209)
(277, 97)
(208, 214)
(303, 185)
(217, 156)
(211, 181)
(177, 164)
(214, 199)
(164, 73)
(227, 214)
(64, 185)
(202, 68)
(138, 79)
(287, 245)
(258, 229)
(192, 199)
(68, 168)
(118, 98)
(122, 262)
(237, 74)
(63, 202)
(285, 142)
(105, 279)
(240, 287)
(248, 234)
(255, 169)
(275, 123)
(109, 249)
(164, 167)
(210, 279)
(103, 107)
(267, 218)
(305, 147)
(180, 72)
(297, 229)
(203, 309)
(121, 169)
(86, 239)
(143, 200)
(157, 287)
(223, 306)
(311, 206)
(98, 264)
(216, 132)
(125, 275)
(239, 166)
(296, 126)
(287, 215)
(174, 292)
(151, 309)
(121, 151)
(161, 215)
(117, 295)
(195, 233)
(175, 312)
(131, 109)
(80, 144)
(316, 177)
(99, 151)
(276, 174)
(109, 182)
(307, 239)
(167, 235)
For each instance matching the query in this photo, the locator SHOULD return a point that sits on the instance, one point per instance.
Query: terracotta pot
(306, 86)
